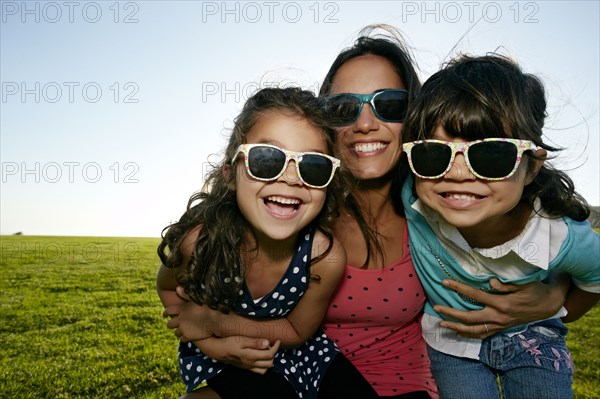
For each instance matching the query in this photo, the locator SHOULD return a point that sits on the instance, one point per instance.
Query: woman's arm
(166, 279)
(518, 304)
(254, 354)
(578, 303)
(193, 322)
(166, 284)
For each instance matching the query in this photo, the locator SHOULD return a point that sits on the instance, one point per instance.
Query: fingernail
(443, 324)
(445, 282)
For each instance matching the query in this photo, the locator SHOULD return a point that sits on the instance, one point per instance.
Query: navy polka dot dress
(303, 367)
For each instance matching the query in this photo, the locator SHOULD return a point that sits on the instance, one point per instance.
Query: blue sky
(111, 111)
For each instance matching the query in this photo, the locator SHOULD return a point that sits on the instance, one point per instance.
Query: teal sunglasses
(389, 105)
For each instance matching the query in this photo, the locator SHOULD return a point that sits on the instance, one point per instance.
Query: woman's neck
(378, 211)
(374, 199)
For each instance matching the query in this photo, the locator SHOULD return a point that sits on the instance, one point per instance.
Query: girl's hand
(191, 322)
(518, 304)
(252, 354)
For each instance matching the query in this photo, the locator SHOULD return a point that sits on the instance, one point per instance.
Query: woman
(383, 338)
(374, 317)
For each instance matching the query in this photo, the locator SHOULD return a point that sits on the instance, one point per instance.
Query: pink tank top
(374, 318)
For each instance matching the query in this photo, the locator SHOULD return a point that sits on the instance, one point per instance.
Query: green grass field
(81, 319)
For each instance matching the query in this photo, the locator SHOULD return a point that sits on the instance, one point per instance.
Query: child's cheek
(424, 189)
(419, 186)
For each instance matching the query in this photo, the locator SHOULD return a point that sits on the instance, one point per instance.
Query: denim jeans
(532, 364)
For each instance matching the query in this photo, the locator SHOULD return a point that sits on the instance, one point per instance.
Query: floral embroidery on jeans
(533, 350)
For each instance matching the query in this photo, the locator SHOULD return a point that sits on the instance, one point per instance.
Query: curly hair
(490, 96)
(215, 273)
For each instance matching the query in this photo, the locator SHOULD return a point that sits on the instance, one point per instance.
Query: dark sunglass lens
(493, 159)
(391, 105)
(265, 162)
(342, 108)
(430, 159)
(315, 169)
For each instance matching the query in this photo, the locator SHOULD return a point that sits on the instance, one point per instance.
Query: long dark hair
(387, 42)
(215, 272)
(489, 96)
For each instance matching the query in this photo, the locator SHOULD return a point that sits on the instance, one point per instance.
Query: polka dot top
(374, 319)
(303, 366)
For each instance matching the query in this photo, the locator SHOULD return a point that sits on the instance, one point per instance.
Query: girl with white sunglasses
(256, 246)
(484, 204)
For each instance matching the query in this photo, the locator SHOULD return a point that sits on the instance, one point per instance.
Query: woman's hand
(191, 322)
(252, 354)
(516, 304)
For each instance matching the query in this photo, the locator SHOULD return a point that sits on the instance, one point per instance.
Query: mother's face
(370, 148)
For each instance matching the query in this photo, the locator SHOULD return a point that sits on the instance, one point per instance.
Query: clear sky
(111, 111)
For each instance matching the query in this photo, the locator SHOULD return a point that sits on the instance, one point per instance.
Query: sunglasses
(489, 159)
(388, 105)
(266, 162)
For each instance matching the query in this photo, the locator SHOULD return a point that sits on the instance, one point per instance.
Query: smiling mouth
(368, 147)
(461, 196)
(282, 206)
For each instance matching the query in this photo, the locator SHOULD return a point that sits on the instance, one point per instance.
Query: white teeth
(368, 147)
(462, 197)
(283, 200)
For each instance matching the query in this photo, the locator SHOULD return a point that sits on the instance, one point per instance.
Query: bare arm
(578, 303)
(194, 322)
(254, 354)
(166, 284)
(166, 279)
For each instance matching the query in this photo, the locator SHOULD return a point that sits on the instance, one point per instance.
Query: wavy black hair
(387, 42)
(215, 273)
(489, 96)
